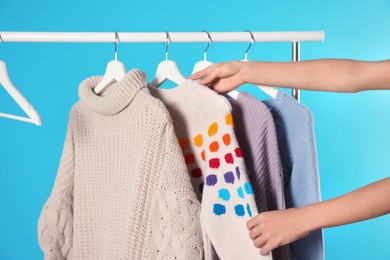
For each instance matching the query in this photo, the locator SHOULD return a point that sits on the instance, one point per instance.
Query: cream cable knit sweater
(122, 189)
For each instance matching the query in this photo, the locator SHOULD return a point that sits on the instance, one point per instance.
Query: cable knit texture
(204, 126)
(295, 130)
(256, 134)
(122, 189)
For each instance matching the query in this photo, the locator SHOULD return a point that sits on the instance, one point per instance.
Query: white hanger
(271, 91)
(202, 64)
(167, 69)
(33, 116)
(115, 71)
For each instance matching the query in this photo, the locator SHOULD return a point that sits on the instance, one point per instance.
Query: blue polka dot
(248, 188)
(240, 192)
(211, 180)
(224, 194)
(219, 209)
(229, 177)
(248, 208)
(239, 209)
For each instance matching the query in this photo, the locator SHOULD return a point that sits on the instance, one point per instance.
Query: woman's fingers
(254, 233)
(261, 241)
(266, 248)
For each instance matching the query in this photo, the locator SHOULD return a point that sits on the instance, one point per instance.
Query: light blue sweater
(295, 131)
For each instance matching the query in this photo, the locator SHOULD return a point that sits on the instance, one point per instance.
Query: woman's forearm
(364, 203)
(339, 75)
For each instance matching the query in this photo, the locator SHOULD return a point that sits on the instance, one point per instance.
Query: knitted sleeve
(179, 206)
(55, 224)
(228, 200)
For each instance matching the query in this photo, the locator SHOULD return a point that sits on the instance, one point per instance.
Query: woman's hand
(222, 77)
(272, 229)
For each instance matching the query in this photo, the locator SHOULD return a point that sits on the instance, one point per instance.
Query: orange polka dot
(203, 156)
(214, 147)
(198, 140)
(184, 143)
(226, 139)
(229, 119)
(213, 129)
(189, 158)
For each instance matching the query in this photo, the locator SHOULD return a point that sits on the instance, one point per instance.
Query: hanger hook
(167, 41)
(116, 45)
(250, 45)
(208, 45)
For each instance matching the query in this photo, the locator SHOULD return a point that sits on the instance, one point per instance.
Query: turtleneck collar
(116, 97)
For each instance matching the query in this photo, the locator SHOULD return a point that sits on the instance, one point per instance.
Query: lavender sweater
(256, 134)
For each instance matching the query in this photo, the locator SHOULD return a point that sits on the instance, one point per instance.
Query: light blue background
(352, 130)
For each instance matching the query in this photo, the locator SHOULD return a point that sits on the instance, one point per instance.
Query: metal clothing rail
(295, 37)
(299, 36)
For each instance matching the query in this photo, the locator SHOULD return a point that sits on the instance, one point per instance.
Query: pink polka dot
(214, 163)
(229, 158)
(238, 152)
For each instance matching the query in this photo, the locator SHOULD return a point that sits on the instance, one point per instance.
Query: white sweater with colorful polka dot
(204, 126)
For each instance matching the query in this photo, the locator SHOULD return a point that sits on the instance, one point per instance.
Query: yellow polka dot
(198, 140)
(229, 119)
(213, 129)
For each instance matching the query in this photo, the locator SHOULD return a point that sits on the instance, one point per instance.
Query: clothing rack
(295, 37)
(299, 36)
